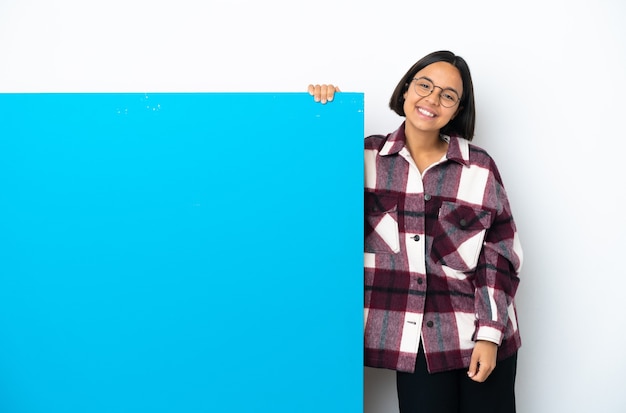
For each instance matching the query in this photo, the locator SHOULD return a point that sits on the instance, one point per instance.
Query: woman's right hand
(323, 93)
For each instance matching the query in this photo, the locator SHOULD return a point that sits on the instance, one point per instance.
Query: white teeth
(426, 113)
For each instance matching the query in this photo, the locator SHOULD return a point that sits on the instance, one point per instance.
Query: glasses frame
(414, 81)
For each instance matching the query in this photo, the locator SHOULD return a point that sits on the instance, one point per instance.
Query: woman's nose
(435, 95)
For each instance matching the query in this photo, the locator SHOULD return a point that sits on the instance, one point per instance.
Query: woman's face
(428, 114)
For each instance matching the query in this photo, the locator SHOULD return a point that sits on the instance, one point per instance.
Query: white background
(550, 83)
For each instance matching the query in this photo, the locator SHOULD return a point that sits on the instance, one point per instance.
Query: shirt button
(420, 281)
(427, 197)
(416, 237)
(463, 222)
(430, 324)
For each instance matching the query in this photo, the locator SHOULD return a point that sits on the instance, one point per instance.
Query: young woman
(442, 254)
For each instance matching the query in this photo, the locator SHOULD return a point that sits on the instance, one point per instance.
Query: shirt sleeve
(497, 272)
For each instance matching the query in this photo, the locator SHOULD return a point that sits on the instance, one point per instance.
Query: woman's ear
(406, 91)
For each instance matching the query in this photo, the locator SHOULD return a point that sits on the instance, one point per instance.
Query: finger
(325, 93)
(484, 371)
(473, 367)
(311, 90)
(330, 92)
(480, 376)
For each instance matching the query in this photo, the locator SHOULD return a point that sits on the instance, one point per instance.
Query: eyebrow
(443, 88)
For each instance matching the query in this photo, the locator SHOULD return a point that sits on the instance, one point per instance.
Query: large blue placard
(180, 253)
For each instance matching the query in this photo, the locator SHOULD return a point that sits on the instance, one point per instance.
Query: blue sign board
(180, 253)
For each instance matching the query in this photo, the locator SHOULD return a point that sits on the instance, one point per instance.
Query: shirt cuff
(489, 334)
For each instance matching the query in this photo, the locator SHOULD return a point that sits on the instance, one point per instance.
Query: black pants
(454, 392)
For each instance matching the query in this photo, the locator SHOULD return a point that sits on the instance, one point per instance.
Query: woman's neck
(425, 148)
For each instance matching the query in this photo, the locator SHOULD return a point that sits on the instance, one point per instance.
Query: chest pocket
(381, 223)
(458, 236)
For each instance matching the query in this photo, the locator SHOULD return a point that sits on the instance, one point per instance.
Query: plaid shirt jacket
(442, 256)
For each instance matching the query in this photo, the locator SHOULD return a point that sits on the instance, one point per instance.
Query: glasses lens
(423, 87)
(448, 98)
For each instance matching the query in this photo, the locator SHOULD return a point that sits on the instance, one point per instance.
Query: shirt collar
(458, 148)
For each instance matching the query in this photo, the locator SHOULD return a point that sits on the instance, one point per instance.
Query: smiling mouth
(425, 112)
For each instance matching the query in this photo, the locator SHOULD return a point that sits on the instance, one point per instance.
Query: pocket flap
(465, 217)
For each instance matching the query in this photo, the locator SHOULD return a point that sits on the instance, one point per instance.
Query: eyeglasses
(425, 87)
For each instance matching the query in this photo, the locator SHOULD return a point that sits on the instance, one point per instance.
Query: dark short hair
(464, 122)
